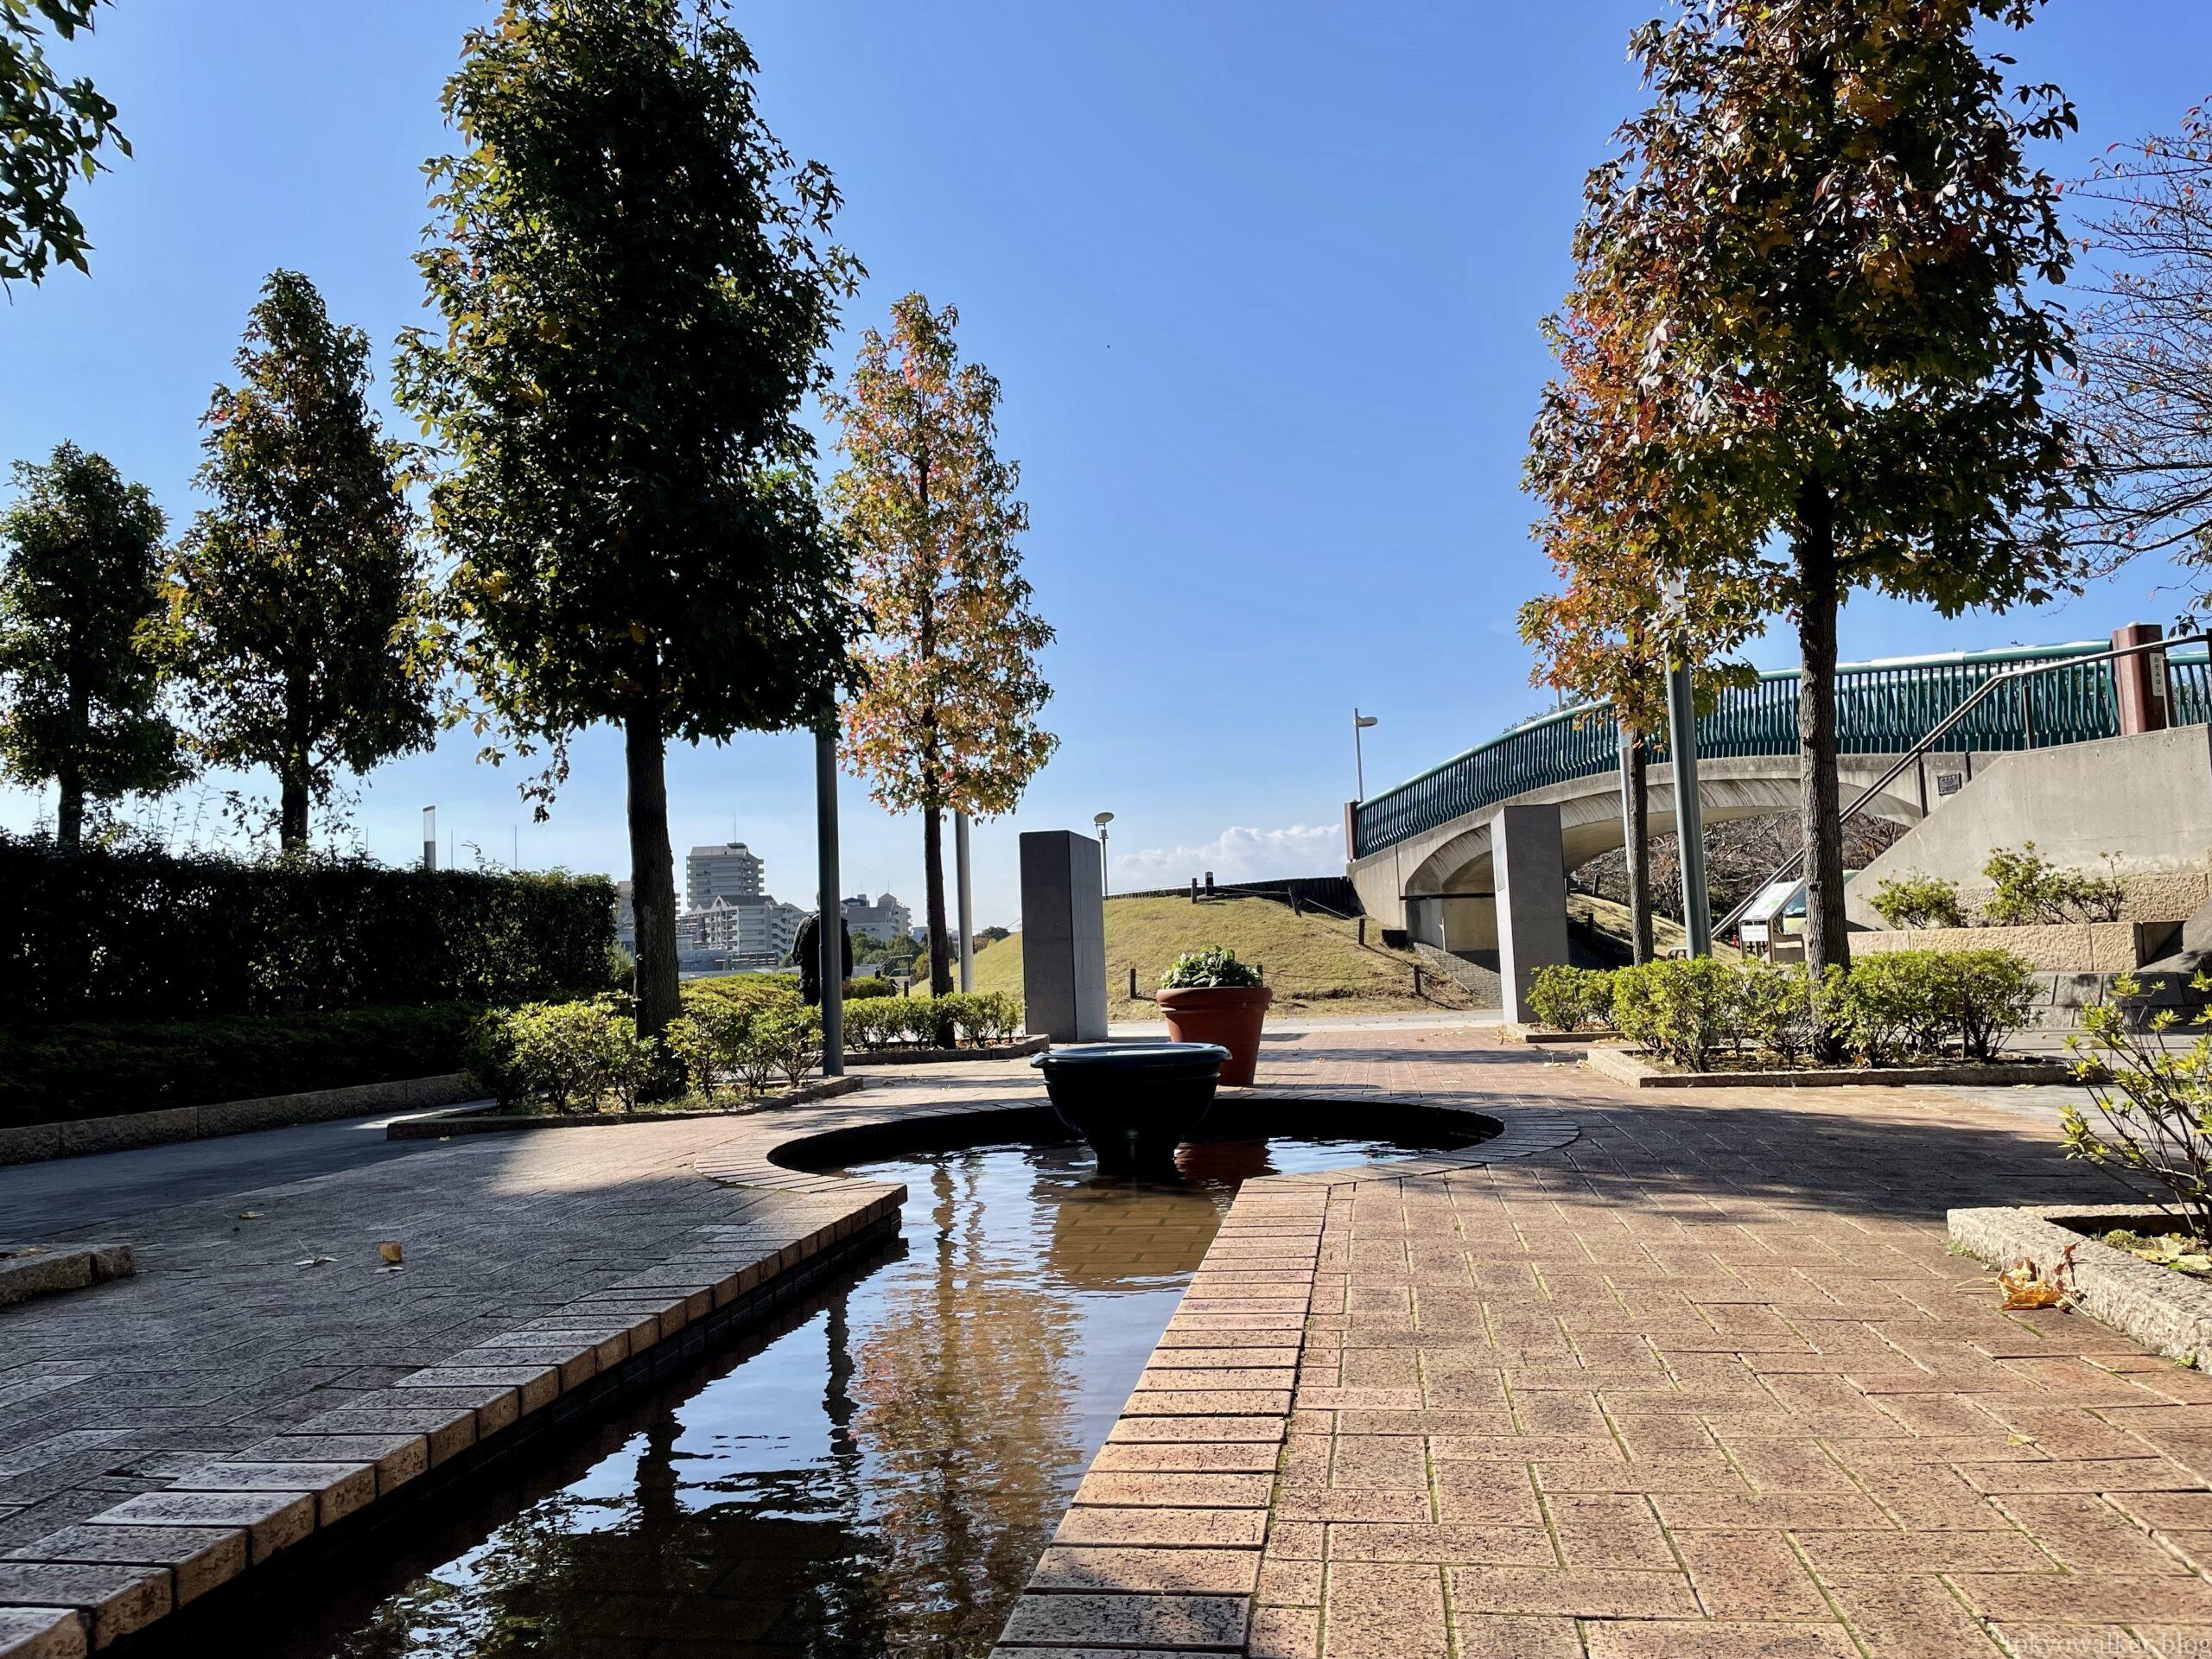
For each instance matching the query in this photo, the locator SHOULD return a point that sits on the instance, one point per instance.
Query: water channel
(875, 1473)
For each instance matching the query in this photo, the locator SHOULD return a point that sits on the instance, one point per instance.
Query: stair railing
(2011, 677)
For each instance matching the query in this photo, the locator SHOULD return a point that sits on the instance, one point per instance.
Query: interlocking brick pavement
(1704, 1383)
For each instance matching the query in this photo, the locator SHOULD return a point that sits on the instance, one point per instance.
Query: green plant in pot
(1209, 996)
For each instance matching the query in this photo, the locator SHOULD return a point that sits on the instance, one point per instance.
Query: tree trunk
(69, 815)
(933, 884)
(1636, 829)
(292, 809)
(1819, 809)
(652, 874)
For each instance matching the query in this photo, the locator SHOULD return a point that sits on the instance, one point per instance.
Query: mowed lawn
(1314, 964)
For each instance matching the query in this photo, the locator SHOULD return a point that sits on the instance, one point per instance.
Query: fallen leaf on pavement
(249, 1215)
(314, 1260)
(2025, 1286)
(390, 1250)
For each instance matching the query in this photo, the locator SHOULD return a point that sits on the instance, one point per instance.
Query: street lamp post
(1359, 723)
(1689, 817)
(960, 870)
(1105, 881)
(430, 837)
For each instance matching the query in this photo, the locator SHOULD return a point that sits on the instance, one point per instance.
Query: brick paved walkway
(1704, 1384)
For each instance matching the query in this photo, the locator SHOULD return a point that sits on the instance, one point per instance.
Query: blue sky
(1261, 282)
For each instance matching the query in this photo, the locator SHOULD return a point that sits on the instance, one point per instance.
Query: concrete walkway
(1704, 1384)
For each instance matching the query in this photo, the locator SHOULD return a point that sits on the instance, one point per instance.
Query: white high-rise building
(730, 871)
(886, 918)
(756, 927)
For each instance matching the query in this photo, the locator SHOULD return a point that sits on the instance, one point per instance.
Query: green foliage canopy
(80, 607)
(300, 597)
(51, 133)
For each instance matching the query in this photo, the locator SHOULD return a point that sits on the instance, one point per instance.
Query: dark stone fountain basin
(1133, 1102)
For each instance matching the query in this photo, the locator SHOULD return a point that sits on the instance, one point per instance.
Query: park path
(1704, 1383)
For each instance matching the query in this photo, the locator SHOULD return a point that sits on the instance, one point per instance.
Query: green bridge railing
(1881, 708)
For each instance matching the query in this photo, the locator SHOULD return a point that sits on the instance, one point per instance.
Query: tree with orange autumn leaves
(947, 718)
(1610, 632)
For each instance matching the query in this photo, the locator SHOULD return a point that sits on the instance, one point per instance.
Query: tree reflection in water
(878, 1479)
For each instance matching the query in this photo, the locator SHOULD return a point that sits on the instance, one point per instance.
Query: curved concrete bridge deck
(1420, 853)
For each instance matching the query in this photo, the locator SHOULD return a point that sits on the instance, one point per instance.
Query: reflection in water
(878, 1478)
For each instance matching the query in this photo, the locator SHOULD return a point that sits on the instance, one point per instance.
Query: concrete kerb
(37, 1270)
(488, 1119)
(1634, 1069)
(34, 1143)
(2165, 1311)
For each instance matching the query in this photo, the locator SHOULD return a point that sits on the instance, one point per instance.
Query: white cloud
(1237, 854)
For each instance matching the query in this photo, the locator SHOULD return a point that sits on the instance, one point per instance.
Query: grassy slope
(1609, 917)
(1314, 962)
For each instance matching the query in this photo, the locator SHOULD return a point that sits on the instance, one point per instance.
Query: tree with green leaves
(300, 601)
(946, 720)
(635, 301)
(1815, 248)
(51, 134)
(81, 606)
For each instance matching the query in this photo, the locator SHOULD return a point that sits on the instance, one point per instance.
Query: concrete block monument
(1529, 871)
(1064, 936)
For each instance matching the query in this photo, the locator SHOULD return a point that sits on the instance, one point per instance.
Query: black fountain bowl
(1133, 1102)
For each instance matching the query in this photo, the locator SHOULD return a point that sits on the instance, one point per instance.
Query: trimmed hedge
(105, 933)
(55, 1073)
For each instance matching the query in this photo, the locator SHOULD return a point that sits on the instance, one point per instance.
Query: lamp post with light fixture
(1359, 723)
(1105, 883)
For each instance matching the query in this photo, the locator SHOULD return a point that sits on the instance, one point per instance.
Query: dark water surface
(875, 1474)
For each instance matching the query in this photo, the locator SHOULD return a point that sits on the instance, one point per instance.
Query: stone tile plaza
(692, 965)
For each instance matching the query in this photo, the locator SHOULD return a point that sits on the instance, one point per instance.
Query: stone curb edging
(1026, 1046)
(2167, 1311)
(487, 1120)
(34, 1143)
(49, 1272)
(83, 1587)
(1543, 1036)
(1628, 1066)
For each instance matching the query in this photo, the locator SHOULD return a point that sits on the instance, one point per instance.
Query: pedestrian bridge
(1421, 854)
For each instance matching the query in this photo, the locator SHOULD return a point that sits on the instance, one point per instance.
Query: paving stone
(115, 1599)
(199, 1558)
(273, 1520)
(1148, 1572)
(43, 1633)
(1200, 1623)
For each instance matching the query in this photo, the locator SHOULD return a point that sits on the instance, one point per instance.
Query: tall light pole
(1105, 883)
(830, 917)
(967, 901)
(430, 837)
(1689, 815)
(1359, 723)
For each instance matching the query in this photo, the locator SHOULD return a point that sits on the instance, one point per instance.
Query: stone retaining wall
(2068, 947)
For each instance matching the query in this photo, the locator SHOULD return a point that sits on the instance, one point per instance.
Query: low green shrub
(2151, 1090)
(1918, 901)
(1215, 967)
(1894, 1005)
(1680, 1009)
(2030, 891)
(979, 1018)
(63, 1070)
(874, 985)
(1570, 999)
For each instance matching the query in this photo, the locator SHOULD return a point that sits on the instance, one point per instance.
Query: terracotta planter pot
(1230, 1015)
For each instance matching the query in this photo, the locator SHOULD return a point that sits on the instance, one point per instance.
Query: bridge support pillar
(1528, 872)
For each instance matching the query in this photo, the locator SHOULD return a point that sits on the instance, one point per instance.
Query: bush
(861, 990)
(1680, 1009)
(1894, 1004)
(2152, 1090)
(61, 1071)
(1886, 1007)
(1215, 967)
(1920, 901)
(117, 931)
(2030, 891)
(1567, 999)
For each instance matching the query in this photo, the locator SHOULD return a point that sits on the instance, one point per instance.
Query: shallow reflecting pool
(875, 1475)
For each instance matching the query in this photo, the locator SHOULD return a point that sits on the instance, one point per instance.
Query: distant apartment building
(732, 870)
(886, 918)
(626, 917)
(755, 929)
